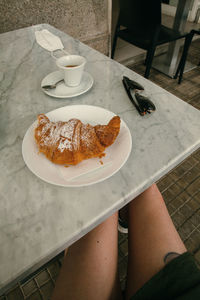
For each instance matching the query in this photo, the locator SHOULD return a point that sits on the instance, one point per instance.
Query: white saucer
(63, 91)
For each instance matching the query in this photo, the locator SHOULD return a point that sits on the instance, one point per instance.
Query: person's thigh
(89, 270)
(151, 236)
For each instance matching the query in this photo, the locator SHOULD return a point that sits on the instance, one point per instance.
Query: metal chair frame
(144, 31)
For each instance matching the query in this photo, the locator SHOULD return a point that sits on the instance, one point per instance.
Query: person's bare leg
(89, 269)
(151, 236)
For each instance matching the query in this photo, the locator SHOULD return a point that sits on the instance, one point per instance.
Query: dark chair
(141, 22)
(181, 66)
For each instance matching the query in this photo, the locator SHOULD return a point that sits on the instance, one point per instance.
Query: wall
(171, 8)
(86, 20)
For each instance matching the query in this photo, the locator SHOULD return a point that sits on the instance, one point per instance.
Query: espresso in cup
(72, 67)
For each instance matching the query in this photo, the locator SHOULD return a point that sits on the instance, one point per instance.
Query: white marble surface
(38, 220)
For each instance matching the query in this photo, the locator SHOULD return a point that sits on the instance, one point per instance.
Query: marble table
(37, 219)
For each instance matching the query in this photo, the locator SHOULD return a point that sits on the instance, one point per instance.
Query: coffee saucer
(63, 91)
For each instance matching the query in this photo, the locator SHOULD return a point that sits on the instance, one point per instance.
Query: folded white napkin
(48, 40)
(86, 167)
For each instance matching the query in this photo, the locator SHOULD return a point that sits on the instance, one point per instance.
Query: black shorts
(179, 279)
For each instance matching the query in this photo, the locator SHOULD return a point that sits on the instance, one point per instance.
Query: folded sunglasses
(143, 104)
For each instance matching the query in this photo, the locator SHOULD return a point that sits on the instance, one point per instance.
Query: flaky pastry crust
(68, 143)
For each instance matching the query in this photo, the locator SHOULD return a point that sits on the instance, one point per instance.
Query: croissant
(68, 143)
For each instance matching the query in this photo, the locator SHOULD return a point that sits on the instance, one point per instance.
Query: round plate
(63, 91)
(88, 171)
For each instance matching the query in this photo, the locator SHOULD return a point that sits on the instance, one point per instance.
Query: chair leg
(178, 69)
(145, 61)
(115, 39)
(114, 45)
(148, 61)
(181, 65)
(187, 44)
(197, 32)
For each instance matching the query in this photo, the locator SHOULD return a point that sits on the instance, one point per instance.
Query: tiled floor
(180, 189)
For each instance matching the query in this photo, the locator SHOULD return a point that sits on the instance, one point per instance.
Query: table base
(160, 64)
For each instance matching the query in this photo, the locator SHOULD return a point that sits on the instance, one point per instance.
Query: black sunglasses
(142, 104)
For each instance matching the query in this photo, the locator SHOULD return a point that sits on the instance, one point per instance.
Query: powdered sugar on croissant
(69, 143)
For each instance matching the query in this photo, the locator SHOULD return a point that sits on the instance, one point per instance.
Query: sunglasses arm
(141, 112)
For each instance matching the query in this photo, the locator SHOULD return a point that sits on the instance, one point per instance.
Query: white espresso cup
(72, 66)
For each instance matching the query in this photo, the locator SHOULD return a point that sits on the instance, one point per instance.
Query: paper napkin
(48, 40)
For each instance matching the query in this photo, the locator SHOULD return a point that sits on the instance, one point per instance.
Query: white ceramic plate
(63, 91)
(89, 171)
